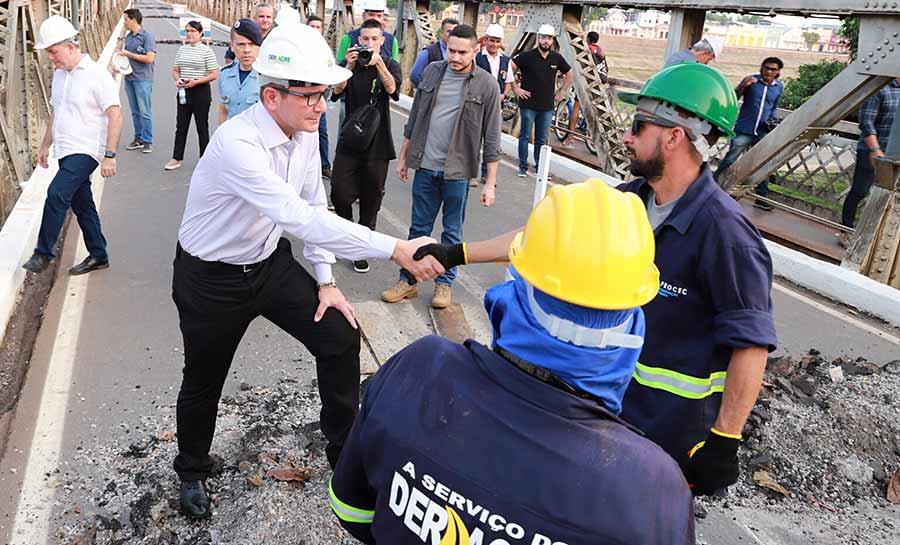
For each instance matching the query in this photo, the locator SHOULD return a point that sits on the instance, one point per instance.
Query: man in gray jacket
(454, 115)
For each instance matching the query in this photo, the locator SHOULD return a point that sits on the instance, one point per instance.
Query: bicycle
(560, 123)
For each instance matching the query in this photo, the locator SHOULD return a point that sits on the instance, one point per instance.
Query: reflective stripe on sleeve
(679, 383)
(346, 512)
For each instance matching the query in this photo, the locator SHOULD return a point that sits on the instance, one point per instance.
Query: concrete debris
(828, 433)
(269, 482)
(817, 454)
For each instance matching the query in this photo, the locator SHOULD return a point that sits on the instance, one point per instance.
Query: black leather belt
(180, 253)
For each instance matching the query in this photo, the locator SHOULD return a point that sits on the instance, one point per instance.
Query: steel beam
(840, 8)
(598, 103)
(839, 97)
(685, 29)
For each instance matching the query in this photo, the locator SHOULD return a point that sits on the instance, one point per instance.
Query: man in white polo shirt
(259, 178)
(84, 129)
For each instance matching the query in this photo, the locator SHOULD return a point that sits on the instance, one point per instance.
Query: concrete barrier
(20, 231)
(831, 281)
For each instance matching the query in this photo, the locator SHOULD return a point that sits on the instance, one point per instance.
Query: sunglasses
(311, 98)
(771, 68)
(637, 124)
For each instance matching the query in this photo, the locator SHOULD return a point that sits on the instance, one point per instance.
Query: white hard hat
(122, 64)
(373, 5)
(716, 45)
(55, 29)
(287, 15)
(546, 30)
(297, 52)
(494, 31)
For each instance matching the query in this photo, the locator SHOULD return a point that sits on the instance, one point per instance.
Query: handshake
(425, 259)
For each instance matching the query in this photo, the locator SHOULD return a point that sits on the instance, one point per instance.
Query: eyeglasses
(637, 124)
(771, 68)
(311, 98)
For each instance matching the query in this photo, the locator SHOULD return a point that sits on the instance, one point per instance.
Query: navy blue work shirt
(454, 444)
(141, 43)
(760, 104)
(715, 296)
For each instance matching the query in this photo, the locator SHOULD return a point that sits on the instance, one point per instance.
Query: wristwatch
(876, 148)
(110, 154)
(330, 284)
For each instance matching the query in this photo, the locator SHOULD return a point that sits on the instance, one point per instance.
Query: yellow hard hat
(590, 245)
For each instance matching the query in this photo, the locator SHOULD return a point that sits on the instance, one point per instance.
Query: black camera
(365, 56)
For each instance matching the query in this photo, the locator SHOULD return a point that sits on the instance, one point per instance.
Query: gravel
(832, 445)
(258, 430)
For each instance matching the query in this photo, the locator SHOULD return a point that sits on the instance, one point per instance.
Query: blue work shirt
(141, 43)
(715, 296)
(760, 104)
(237, 96)
(415, 75)
(876, 115)
(454, 444)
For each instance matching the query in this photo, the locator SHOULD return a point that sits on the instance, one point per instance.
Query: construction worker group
(628, 346)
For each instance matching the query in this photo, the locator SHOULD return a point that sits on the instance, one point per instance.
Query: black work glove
(713, 465)
(448, 255)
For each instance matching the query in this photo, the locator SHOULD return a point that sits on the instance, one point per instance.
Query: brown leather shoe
(442, 296)
(399, 291)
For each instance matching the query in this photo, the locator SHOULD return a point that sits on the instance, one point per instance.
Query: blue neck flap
(602, 372)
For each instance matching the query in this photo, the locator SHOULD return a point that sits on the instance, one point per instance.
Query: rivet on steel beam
(878, 48)
(871, 53)
(875, 61)
(883, 55)
(867, 4)
(886, 41)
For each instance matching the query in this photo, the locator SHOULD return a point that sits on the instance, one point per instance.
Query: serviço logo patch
(279, 58)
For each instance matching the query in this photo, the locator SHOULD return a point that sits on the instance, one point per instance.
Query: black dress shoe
(194, 500)
(90, 263)
(38, 263)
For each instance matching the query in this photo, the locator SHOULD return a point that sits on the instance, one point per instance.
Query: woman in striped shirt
(195, 67)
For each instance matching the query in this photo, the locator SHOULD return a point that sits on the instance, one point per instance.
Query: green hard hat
(696, 88)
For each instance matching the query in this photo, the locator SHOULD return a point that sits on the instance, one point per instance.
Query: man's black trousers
(358, 178)
(216, 303)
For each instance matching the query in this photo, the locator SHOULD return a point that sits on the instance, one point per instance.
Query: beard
(544, 47)
(650, 168)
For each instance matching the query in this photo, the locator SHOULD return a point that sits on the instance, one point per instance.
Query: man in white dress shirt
(261, 176)
(84, 129)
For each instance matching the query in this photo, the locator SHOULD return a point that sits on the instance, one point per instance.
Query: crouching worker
(521, 441)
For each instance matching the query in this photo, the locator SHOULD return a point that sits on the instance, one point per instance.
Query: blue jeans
(323, 142)
(139, 92)
(863, 177)
(430, 191)
(540, 120)
(71, 187)
(738, 145)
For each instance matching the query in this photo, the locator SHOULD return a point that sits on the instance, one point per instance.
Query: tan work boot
(400, 291)
(442, 296)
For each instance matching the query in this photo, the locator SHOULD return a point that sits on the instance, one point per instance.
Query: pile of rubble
(823, 444)
(821, 453)
(269, 487)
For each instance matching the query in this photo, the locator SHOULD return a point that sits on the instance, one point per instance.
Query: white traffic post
(543, 175)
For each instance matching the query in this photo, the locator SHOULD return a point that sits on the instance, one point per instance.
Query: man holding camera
(365, 146)
(759, 115)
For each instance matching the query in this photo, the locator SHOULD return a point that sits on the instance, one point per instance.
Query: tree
(720, 18)
(850, 31)
(750, 19)
(810, 78)
(811, 39)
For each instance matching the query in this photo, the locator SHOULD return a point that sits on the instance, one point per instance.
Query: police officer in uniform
(259, 178)
(238, 83)
(709, 331)
(521, 443)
